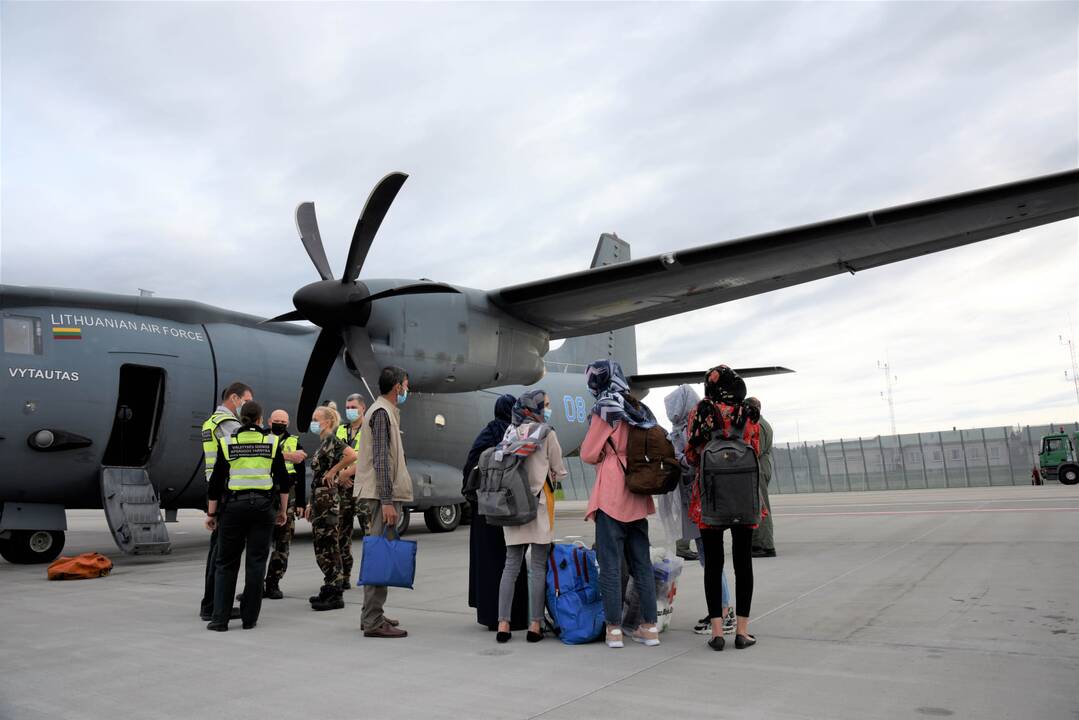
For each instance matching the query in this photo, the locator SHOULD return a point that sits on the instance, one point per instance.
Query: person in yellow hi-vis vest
(221, 423)
(294, 456)
(350, 510)
(249, 470)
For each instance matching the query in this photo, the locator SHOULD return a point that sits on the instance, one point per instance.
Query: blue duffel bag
(573, 598)
(388, 562)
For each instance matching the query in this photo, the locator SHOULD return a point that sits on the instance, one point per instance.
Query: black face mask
(278, 428)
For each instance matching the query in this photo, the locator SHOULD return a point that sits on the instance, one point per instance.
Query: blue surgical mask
(316, 428)
(402, 397)
(353, 414)
(546, 415)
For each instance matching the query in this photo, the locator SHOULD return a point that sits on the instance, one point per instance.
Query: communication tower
(889, 379)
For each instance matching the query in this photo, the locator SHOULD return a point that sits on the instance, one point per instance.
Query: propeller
(341, 308)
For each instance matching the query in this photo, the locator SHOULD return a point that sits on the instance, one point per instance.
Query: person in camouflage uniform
(282, 537)
(332, 457)
(351, 511)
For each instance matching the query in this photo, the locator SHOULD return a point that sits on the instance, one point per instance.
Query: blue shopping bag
(388, 562)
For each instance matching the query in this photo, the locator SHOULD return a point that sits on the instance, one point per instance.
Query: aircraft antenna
(889, 379)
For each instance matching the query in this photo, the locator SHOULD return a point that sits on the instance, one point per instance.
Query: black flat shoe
(717, 643)
(503, 637)
(741, 642)
(533, 637)
(218, 627)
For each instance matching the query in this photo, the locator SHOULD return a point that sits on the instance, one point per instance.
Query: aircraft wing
(615, 296)
(696, 378)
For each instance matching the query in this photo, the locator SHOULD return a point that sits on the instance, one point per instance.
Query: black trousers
(248, 522)
(206, 607)
(741, 555)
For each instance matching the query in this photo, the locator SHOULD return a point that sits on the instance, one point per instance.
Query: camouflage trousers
(351, 510)
(282, 538)
(325, 530)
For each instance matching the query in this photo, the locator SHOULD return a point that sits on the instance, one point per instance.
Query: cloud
(166, 146)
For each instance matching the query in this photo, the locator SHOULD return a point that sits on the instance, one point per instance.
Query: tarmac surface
(909, 604)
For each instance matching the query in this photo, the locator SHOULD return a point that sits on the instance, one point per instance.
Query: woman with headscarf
(487, 543)
(620, 516)
(723, 413)
(679, 404)
(530, 436)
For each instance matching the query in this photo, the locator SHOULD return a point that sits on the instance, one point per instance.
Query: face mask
(401, 398)
(546, 415)
(316, 427)
(239, 407)
(278, 428)
(353, 414)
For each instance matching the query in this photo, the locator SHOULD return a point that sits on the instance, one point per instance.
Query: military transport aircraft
(102, 396)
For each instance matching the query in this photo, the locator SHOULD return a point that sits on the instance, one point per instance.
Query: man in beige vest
(383, 483)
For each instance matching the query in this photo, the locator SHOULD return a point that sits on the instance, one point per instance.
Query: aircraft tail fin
(621, 345)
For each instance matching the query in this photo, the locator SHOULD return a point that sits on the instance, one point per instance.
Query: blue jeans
(615, 540)
(700, 557)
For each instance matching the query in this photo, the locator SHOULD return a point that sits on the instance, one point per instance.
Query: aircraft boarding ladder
(133, 510)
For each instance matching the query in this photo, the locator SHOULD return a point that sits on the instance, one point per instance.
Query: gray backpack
(729, 483)
(504, 495)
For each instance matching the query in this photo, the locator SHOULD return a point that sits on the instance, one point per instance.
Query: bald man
(282, 534)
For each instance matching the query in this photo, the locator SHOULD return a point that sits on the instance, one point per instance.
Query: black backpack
(729, 483)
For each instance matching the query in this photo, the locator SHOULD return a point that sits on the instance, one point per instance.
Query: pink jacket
(609, 494)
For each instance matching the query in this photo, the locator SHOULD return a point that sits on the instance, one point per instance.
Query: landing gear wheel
(26, 547)
(444, 518)
(402, 521)
(1068, 474)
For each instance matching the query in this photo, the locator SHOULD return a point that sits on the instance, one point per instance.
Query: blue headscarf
(608, 385)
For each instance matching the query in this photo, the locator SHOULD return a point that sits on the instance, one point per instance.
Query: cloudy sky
(166, 146)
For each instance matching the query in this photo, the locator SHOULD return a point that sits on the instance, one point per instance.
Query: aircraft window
(22, 335)
(440, 421)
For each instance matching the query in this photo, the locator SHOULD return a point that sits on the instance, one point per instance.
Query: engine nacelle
(456, 342)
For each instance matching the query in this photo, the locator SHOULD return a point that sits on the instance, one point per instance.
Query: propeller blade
(323, 355)
(358, 343)
(378, 204)
(307, 224)
(423, 288)
(293, 315)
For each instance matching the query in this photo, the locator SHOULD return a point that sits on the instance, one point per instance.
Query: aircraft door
(139, 405)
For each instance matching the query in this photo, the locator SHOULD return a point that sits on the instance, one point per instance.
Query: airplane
(103, 395)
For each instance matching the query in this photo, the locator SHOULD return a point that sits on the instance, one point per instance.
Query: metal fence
(946, 459)
(980, 457)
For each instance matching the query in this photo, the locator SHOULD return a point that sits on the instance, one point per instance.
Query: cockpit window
(22, 335)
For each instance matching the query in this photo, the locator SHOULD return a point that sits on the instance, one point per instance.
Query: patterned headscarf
(529, 407)
(522, 438)
(722, 384)
(608, 385)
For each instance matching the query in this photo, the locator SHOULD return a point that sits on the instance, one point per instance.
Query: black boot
(271, 591)
(333, 601)
(323, 592)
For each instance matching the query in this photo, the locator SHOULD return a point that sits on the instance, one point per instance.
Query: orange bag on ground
(80, 567)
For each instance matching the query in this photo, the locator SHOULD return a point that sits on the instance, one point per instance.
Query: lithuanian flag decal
(67, 333)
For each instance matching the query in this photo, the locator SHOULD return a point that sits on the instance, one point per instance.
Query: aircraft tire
(1068, 474)
(27, 547)
(403, 521)
(442, 518)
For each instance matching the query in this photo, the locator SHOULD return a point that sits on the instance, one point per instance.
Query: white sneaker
(646, 636)
(614, 638)
(729, 624)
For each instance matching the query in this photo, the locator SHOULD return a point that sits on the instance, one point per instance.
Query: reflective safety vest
(342, 432)
(250, 454)
(209, 441)
(289, 446)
